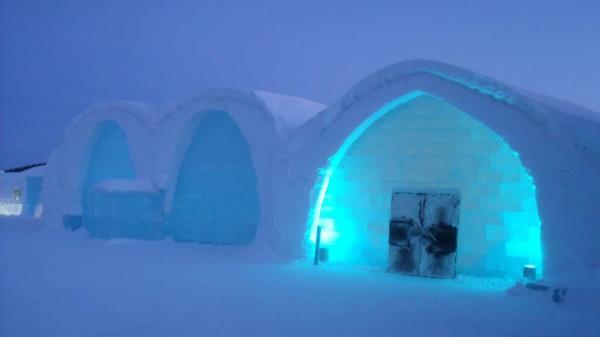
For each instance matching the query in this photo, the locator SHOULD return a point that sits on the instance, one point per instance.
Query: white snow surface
(58, 284)
(289, 112)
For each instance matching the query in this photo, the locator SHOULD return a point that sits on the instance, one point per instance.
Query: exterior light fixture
(529, 272)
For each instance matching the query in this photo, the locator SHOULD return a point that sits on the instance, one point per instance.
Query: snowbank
(161, 289)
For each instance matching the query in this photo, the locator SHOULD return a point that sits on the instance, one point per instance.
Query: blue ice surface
(418, 141)
(126, 214)
(72, 222)
(34, 194)
(108, 158)
(216, 198)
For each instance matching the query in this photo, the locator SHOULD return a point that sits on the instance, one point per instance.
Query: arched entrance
(216, 198)
(420, 142)
(109, 158)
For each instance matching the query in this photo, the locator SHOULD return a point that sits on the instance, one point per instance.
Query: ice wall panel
(427, 143)
(126, 214)
(216, 198)
(34, 194)
(109, 158)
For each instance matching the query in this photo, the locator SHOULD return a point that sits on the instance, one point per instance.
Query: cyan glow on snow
(496, 94)
(334, 161)
(109, 158)
(500, 226)
(216, 198)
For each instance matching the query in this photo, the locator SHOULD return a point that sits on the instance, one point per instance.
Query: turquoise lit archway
(422, 141)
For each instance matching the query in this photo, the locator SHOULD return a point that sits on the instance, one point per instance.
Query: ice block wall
(126, 214)
(428, 144)
(109, 158)
(33, 204)
(216, 198)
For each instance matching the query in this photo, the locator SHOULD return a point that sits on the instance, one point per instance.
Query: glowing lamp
(529, 272)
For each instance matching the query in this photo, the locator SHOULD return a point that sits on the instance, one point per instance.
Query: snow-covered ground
(66, 284)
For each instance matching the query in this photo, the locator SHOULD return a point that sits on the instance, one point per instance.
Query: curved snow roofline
(289, 112)
(469, 79)
(192, 111)
(260, 100)
(144, 113)
(216, 95)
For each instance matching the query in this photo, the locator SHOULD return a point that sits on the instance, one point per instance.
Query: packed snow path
(63, 284)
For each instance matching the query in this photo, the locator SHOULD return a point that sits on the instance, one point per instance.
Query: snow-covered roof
(286, 112)
(485, 85)
(552, 113)
(144, 113)
(289, 112)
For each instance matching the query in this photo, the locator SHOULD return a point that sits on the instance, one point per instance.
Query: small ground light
(529, 272)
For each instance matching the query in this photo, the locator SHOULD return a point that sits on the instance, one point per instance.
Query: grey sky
(58, 57)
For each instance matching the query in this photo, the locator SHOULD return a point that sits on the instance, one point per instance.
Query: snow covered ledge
(556, 143)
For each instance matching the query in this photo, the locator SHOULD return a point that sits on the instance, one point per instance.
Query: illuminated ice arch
(420, 141)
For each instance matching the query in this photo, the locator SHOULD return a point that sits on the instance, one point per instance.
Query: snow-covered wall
(559, 150)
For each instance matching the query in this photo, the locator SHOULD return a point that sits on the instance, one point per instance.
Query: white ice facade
(235, 167)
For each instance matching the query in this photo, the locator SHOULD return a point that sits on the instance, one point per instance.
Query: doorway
(423, 233)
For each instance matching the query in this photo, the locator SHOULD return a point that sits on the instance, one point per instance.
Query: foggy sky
(59, 57)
